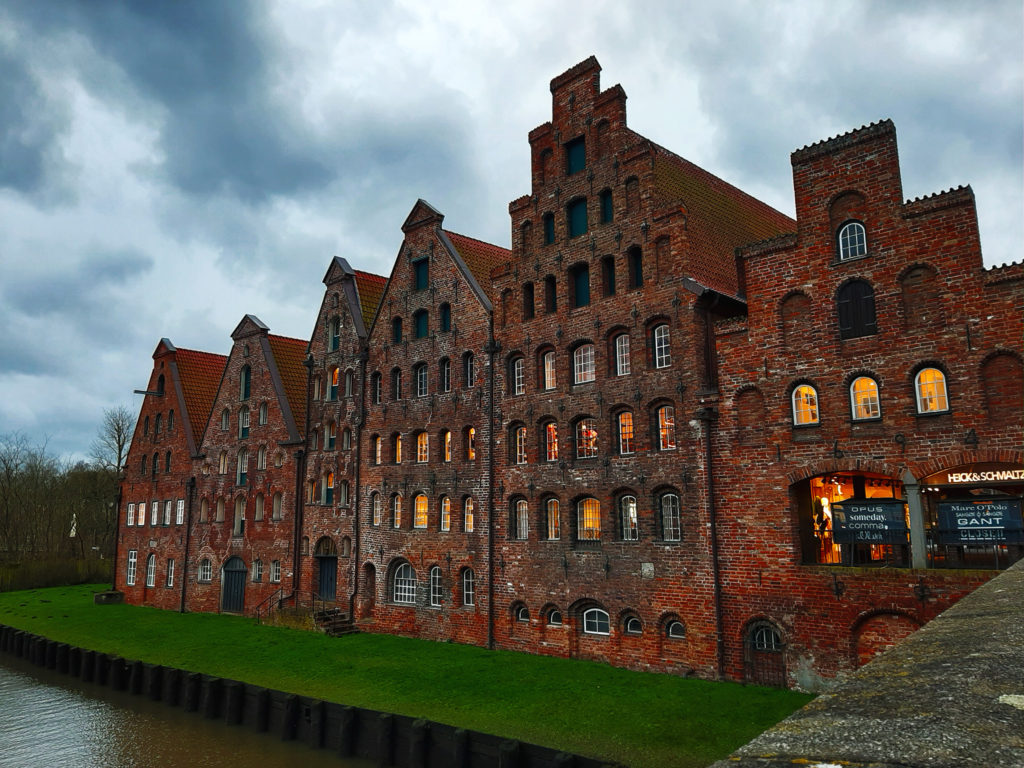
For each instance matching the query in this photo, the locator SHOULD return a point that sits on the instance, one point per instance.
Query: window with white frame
(154, 512)
(625, 424)
(404, 585)
(583, 366)
(675, 630)
(257, 570)
(445, 368)
(518, 376)
(622, 364)
(168, 506)
(805, 405)
(377, 443)
(261, 457)
(522, 520)
(853, 241)
(130, 514)
(666, 428)
(468, 508)
(396, 449)
(550, 375)
(205, 570)
(551, 514)
(551, 441)
(243, 421)
(468, 369)
(264, 410)
(421, 379)
(419, 511)
(435, 586)
(375, 506)
(670, 518)
(864, 403)
(468, 587)
(520, 444)
(225, 419)
(632, 626)
(242, 467)
(343, 493)
(596, 622)
(630, 520)
(662, 349)
(422, 448)
(930, 385)
(446, 513)
(275, 571)
(129, 576)
(396, 511)
(586, 439)
(238, 527)
(588, 517)
(330, 436)
(170, 572)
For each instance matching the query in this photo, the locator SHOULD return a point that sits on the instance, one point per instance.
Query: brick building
(670, 429)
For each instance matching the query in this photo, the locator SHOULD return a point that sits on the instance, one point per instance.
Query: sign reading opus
(869, 521)
(981, 521)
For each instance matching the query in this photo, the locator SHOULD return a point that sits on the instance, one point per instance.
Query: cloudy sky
(167, 167)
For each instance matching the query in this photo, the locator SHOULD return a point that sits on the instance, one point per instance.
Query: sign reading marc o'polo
(869, 521)
(981, 521)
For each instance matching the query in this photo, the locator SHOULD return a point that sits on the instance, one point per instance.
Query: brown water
(48, 720)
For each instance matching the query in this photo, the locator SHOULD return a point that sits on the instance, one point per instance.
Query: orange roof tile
(720, 219)
(371, 289)
(288, 355)
(200, 374)
(480, 257)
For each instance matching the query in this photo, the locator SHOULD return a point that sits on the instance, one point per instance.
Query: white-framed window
(257, 570)
(378, 449)
(168, 507)
(446, 513)
(330, 436)
(583, 366)
(419, 511)
(805, 405)
(375, 505)
(205, 570)
(551, 441)
(446, 375)
(632, 626)
(666, 428)
(522, 521)
(518, 376)
(864, 402)
(853, 241)
(422, 448)
(404, 585)
(520, 445)
(225, 419)
(468, 587)
(555, 617)
(243, 421)
(238, 525)
(586, 438)
(264, 411)
(275, 571)
(553, 527)
(588, 516)
(468, 508)
(396, 511)
(261, 457)
(676, 630)
(469, 369)
(630, 520)
(550, 375)
(435, 586)
(242, 469)
(670, 518)
(142, 513)
(622, 365)
(179, 512)
(343, 493)
(133, 559)
(154, 512)
(421, 380)
(522, 613)
(596, 622)
(662, 349)
(626, 444)
(376, 388)
(930, 385)
(170, 572)
(130, 515)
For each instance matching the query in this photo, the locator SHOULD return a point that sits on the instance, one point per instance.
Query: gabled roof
(720, 217)
(480, 257)
(288, 356)
(200, 374)
(371, 289)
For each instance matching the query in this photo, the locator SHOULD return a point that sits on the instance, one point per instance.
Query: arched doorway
(764, 655)
(326, 555)
(232, 599)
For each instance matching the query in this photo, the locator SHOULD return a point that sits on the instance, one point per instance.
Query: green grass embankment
(641, 719)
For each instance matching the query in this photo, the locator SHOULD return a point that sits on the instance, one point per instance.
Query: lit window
(446, 443)
(622, 366)
(589, 519)
(583, 364)
(205, 570)
(446, 513)
(375, 505)
(630, 521)
(467, 514)
(468, 587)
(518, 376)
(595, 622)
(586, 439)
(396, 511)
(422, 448)
(625, 420)
(930, 384)
(805, 405)
(397, 449)
(378, 449)
(864, 402)
(404, 585)
(470, 443)
(332, 391)
(551, 441)
(327, 489)
(666, 428)
(435, 586)
(520, 445)
(550, 378)
(419, 519)
(133, 557)
(553, 528)
(670, 522)
(446, 375)
(662, 352)
(522, 521)
(853, 241)
(275, 571)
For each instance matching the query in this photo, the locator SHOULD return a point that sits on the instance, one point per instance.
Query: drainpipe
(190, 492)
(492, 350)
(354, 498)
(708, 416)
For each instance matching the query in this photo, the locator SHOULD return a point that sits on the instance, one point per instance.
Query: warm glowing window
(396, 510)
(589, 519)
(471, 443)
(586, 439)
(864, 402)
(666, 428)
(378, 449)
(375, 506)
(467, 514)
(397, 449)
(625, 420)
(583, 364)
(446, 443)
(422, 448)
(930, 384)
(805, 405)
(446, 513)
(551, 512)
(332, 390)
(520, 445)
(419, 519)
(551, 441)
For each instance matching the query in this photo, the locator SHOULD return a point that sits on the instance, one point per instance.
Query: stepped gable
(720, 217)
(481, 258)
(200, 374)
(288, 356)
(844, 140)
(371, 289)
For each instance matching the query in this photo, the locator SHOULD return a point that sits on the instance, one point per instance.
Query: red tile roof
(200, 374)
(720, 217)
(481, 258)
(371, 289)
(288, 355)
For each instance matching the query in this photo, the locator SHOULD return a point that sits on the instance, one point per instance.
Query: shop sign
(977, 474)
(980, 521)
(869, 521)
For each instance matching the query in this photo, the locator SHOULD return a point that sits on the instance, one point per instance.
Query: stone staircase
(334, 622)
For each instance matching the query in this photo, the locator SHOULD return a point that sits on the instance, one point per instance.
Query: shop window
(588, 519)
(930, 386)
(445, 510)
(608, 275)
(852, 241)
(551, 520)
(586, 438)
(584, 369)
(864, 402)
(550, 432)
(421, 274)
(404, 585)
(624, 423)
(805, 405)
(596, 622)
(468, 587)
(575, 156)
(629, 519)
(607, 214)
(549, 228)
(521, 520)
(579, 285)
(635, 264)
(445, 317)
(528, 308)
(550, 294)
(855, 305)
(419, 511)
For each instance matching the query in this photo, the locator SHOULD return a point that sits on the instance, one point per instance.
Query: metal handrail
(278, 594)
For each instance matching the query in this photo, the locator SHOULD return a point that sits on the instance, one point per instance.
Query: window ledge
(837, 262)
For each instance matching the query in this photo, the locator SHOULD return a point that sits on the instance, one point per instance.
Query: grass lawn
(638, 718)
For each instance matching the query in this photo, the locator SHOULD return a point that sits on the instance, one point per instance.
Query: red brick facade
(676, 395)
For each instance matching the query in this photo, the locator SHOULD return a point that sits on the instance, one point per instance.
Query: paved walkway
(950, 696)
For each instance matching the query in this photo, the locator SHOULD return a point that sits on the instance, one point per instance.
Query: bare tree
(110, 447)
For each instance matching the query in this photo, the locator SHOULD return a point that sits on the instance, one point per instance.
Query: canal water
(49, 720)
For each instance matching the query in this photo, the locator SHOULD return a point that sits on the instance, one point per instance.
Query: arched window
(446, 445)
(521, 613)
(632, 626)
(579, 285)
(396, 448)
(435, 586)
(238, 526)
(661, 347)
(225, 420)
(334, 333)
(419, 323)
(528, 306)
(219, 514)
(258, 511)
(864, 403)
(445, 506)
(330, 436)
(222, 463)
(445, 312)
(332, 389)
(316, 387)
(666, 428)
(469, 438)
(805, 405)
(277, 508)
(521, 522)
(144, 466)
(583, 366)
(156, 424)
(517, 375)
(468, 508)
(586, 438)
(624, 424)
(554, 618)
(930, 385)
(548, 371)
(167, 462)
(375, 507)
(404, 585)
(264, 411)
(671, 526)
(396, 384)
(588, 512)
(204, 512)
(376, 388)
(343, 493)
(552, 523)
(170, 421)
(855, 305)
(151, 571)
(346, 439)
(852, 241)
(242, 467)
(607, 214)
(676, 630)
(550, 294)
(275, 571)
(419, 373)
(468, 370)
(518, 444)
(596, 622)
(348, 383)
(620, 351)
(243, 421)
(419, 511)
(244, 383)
(257, 570)
(765, 661)
(396, 330)
(396, 511)
(155, 466)
(377, 447)
(629, 519)
(550, 431)
(468, 587)
(445, 374)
